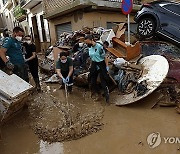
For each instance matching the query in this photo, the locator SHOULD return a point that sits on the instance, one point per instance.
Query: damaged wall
(91, 19)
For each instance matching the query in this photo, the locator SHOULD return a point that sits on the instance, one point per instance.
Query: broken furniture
(13, 94)
(122, 50)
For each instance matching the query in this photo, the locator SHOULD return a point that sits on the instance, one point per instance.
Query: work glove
(67, 79)
(64, 80)
(9, 65)
(107, 68)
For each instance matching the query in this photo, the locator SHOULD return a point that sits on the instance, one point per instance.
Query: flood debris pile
(169, 90)
(168, 97)
(56, 121)
(74, 45)
(127, 76)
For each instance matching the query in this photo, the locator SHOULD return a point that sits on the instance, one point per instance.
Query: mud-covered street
(125, 129)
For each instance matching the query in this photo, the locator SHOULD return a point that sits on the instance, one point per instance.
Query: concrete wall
(91, 19)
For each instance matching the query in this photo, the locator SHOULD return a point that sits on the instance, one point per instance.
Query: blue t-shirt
(97, 53)
(14, 50)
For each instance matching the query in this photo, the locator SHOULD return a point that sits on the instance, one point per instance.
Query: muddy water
(56, 120)
(125, 130)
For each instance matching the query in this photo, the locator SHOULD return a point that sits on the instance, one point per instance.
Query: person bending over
(64, 68)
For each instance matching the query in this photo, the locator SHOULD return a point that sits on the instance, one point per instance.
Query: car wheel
(146, 27)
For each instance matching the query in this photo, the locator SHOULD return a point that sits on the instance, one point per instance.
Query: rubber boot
(38, 87)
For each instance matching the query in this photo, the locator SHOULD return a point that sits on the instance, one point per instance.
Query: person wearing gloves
(12, 47)
(64, 68)
(31, 59)
(98, 66)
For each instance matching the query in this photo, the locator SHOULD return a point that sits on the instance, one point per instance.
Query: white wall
(37, 11)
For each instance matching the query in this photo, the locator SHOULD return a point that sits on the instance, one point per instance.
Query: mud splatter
(56, 121)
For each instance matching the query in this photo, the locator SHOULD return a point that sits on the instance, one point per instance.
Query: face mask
(28, 42)
(64, 61)
(19, 38)
(81, 45)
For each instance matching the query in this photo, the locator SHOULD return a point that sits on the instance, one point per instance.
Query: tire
(146, 27)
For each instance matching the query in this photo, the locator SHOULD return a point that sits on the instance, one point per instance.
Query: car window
(173, 8)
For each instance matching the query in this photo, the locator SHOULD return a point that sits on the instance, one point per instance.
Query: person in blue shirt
(13, 49)
(98, 66)
(5, 35)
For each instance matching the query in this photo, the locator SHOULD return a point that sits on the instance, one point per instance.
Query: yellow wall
(92, 19)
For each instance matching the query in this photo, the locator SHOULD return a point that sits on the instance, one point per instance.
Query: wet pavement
(125, 129)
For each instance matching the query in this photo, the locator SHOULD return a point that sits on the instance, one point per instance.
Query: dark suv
(160, 17)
